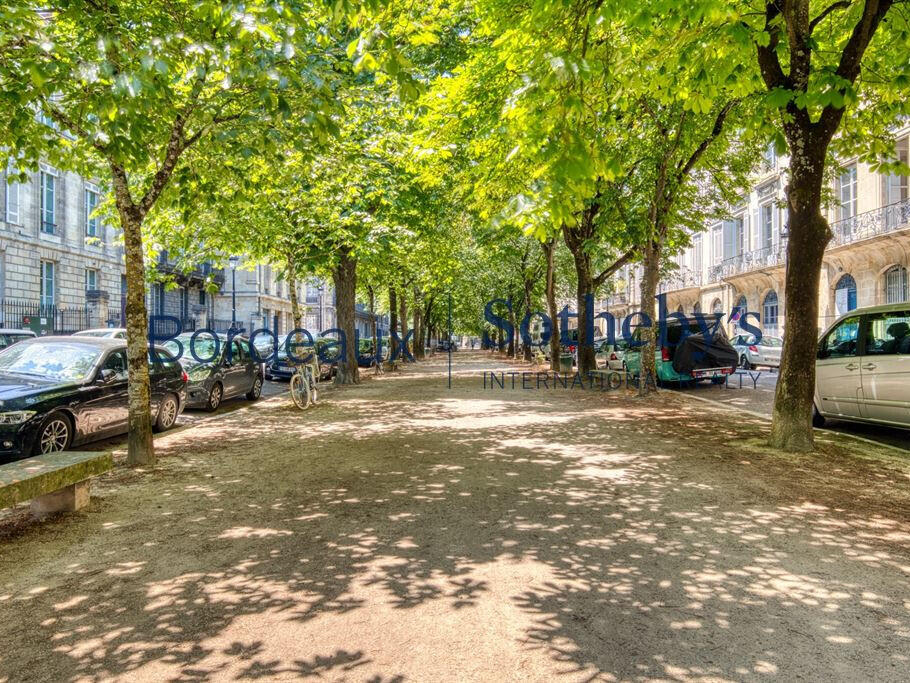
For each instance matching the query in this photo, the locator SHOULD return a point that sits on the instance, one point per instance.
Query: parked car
(862, 369)
(58, 392)
(444, 344)
(8, 337)
(103, 332)
(716, 358)
(766, 351)
(225, 372)
(610, 354)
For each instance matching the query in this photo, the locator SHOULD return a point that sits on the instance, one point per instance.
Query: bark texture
(650, 276)
(345, 278)
(140, 449)
(393, 322)
(549, 249)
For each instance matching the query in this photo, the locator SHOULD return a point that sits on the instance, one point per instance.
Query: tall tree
(127, 90)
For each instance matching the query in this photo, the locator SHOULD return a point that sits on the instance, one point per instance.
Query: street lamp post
(233, 261)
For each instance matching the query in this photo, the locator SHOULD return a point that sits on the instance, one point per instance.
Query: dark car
(277, 366)
(218, 371)
(444, 344)
(57, 392)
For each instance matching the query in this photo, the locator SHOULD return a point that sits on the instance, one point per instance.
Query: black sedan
(57, 392)
(217, 370)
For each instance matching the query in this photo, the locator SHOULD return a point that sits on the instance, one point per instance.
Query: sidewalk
(402, 531)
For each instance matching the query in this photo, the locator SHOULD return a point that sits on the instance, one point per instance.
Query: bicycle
(305, 384)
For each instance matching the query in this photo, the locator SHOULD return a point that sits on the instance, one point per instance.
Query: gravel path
(402, 531)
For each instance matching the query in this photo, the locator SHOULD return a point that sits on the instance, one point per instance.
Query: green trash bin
(565, 363)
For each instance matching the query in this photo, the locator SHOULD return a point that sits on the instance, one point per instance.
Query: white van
(862, 370)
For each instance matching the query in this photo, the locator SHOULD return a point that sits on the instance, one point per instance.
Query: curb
(767, 418)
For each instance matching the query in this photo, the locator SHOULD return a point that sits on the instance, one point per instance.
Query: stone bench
(55, 482)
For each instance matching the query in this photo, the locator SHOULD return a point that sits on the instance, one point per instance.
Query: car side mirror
(822, 353)
(106, 376)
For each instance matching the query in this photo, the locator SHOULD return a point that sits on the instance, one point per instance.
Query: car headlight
(15, 417)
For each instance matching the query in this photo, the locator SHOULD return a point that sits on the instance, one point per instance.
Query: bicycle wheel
(300, 391)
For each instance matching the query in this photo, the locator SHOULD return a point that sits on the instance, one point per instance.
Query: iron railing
(47, 318)
(868, 224)
(684, 278)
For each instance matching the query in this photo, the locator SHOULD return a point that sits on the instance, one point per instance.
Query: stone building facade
(739, 263)
(53, 251)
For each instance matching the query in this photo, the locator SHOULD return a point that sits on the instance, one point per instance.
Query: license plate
(711, 373)
(284, 368)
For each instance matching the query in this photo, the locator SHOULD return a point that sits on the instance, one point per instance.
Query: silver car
(862, 369)
(765, 352)
(610, 355)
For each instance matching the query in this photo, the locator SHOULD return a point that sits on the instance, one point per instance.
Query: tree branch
(768, 63)
(842, 4)
(616, 265)
(716, 130)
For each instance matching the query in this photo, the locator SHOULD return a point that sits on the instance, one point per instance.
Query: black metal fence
(47, 319)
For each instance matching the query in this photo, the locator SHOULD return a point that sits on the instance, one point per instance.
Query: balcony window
(12, 197)
(733, 237)
(696, 254)
(846, 193)
(769, 314)
(767, 227)
(48, 186)
(91, 222)
(717, 243)
(91, 278)
(896, 285)
(845, 294)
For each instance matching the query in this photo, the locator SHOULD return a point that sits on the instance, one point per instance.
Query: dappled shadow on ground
(406, 531)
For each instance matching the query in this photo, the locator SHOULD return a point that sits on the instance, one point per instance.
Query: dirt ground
(404, 531)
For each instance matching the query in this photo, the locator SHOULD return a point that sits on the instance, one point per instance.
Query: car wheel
(818, 420)
(167, 413)
(54, 435)
(256, 390)
(215, 396)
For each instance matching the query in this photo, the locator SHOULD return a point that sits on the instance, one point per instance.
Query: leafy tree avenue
(123, 92)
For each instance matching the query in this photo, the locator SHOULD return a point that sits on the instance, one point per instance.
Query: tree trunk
(393, 322)
(373, 326)
(585, 285)
(651, 267)
(418, 327)
(403, 320)
(295, 302)
(140, 449)
(345, 277)
(513, 340)
(549, 249)
(791, 425)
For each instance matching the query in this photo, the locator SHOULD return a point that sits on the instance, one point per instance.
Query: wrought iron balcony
(684, 278)
(616, 299)
(195, 274)
(768, 257)
(868, 224)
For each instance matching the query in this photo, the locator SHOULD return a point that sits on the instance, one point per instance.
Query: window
(116, 362)
(91, 222)
(845, 295)
(48, 288)
(157, 299)
(733, 237)
(696, 254)
(770, 313)
(91, 278)
(896, 285)
(846, 193)
(718, 246)
(202, 297)
(717, 306)
(769, 157)
(48, 186)
(12, 197)
(767, 227)
(888, 333)
(841, 341)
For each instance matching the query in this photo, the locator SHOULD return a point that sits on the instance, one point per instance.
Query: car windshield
(62, 361)
(203, 347)
(92, 333)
